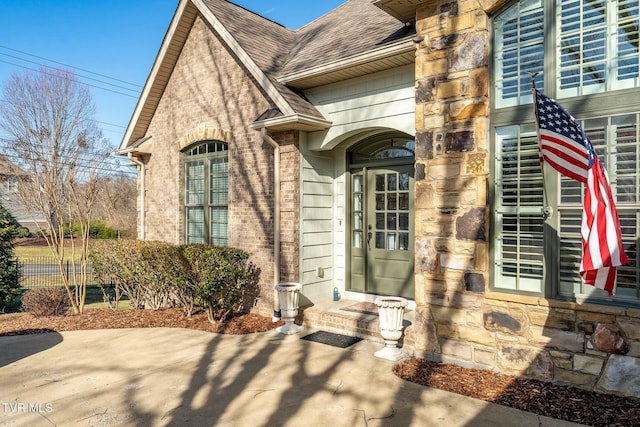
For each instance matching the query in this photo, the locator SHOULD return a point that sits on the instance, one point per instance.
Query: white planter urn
(391, 315)
(288, 295)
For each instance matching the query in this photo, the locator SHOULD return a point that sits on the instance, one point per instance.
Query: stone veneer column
(452, 108)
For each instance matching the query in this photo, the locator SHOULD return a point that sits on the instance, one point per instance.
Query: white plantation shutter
(519, 222)
(597, 46)
(218, 200)
(519, 50)
(616, 140)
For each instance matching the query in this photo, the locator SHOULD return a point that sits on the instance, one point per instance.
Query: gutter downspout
(276, 220)
(143, 214)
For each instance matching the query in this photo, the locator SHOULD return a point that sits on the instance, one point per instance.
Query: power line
(84, 162)
(93, 120)
(79, 75)
(85, 166)
(71, 66)
(88, 84)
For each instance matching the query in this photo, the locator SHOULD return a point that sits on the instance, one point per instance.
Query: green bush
(156, 274)
(9, 267)
(118, 263)
(97, 230)
(165, 273)
(224, 279)
(46, 301)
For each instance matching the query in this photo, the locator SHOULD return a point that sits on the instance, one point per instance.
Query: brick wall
(210, 96)
(289, 205)
(457, 318)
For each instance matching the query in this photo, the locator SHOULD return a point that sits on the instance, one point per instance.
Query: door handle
(369, 235)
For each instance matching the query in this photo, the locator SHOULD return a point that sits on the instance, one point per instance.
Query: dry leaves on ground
(25, 323)
(566, 403)
(552, 400)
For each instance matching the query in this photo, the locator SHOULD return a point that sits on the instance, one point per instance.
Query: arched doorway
(381, 238)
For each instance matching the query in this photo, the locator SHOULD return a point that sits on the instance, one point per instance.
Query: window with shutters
(206, 187)
(584, 53)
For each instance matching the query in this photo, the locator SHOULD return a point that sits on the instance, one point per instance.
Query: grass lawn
(25, 252)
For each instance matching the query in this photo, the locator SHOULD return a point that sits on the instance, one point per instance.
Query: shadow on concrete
(39, 340)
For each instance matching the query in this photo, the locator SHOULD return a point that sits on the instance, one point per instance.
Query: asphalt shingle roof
(354, 28)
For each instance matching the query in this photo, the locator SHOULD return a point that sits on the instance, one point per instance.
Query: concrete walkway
(177, 377)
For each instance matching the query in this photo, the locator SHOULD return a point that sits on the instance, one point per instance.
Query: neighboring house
(11, 176)
(400, 135)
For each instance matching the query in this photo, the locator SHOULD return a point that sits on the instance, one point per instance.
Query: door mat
(362, 307)
(329, 338)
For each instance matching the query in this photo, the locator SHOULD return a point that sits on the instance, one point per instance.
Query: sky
(110, 44)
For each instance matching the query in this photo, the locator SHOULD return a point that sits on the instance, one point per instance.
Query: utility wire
(71, 66)
(92, 120)
(82, 161)
(88, 84)
(89, 167)
(60, 69)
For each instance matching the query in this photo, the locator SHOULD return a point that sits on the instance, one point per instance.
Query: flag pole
(546, 209)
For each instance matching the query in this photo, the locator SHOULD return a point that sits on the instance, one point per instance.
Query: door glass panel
(403, 184)
(391, 221)
(357, 184)
(357, 220)
(391, 241)
(403, 241)
(391, 201)
(357, 202)
(357, 239)
(390, 198)
(358, 211)
(392, 182)
(403, 221)
(403, 201)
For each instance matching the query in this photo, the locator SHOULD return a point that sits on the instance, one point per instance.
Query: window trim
(584, 107)
(206, 152)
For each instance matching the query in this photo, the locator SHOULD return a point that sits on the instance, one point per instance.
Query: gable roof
(8, 168)
(281, 60)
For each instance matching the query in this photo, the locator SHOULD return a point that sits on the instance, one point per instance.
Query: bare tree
(117, 204)
(49, 118)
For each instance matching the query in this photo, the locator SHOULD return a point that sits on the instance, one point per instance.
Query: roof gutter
(277, 314)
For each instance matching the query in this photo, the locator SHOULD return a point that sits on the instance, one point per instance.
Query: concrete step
(346, 317)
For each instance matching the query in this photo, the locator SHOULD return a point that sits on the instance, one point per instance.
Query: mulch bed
(20, 324)
(561, 402)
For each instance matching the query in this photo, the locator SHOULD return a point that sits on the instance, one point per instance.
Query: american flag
(563, 144)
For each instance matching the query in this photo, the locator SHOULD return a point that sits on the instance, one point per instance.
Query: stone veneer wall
(210, 96)
(457, 319)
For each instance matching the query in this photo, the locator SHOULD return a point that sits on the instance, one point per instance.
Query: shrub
(46, 301)
(165, 272)
(97, 230)
(117, 263)
(9, 267)
(100, 230)
(223, 278)
(157, 274)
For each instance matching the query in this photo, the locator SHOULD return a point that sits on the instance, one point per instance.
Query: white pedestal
(391, 315)
(288, 295)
